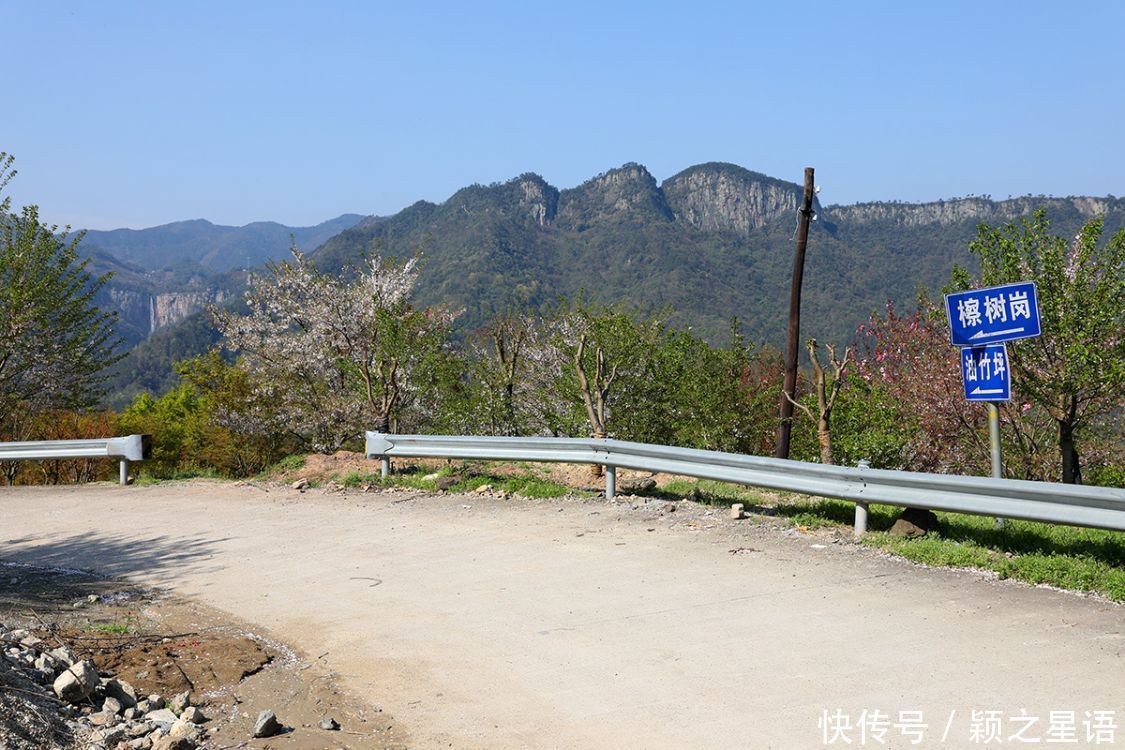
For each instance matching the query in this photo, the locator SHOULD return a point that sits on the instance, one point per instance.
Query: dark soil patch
(197, 662)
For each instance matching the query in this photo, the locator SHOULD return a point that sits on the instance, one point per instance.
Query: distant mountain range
(163, 274)
(211, 247)
(710, 243)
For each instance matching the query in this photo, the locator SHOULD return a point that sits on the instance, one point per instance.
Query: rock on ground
(915, 522)
(77, 682)
(193, 714)
(267, 724)
(174, 743)
(179, 702)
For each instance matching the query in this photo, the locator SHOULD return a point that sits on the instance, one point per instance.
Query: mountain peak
(627, 191)
(528, 198)
(717, 196)
(630, 172)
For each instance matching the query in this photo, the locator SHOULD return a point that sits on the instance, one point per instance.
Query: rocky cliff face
(132, 306)
(170, 308)
(537, 200)
(528, 199)
(959, 210)
(724, 197)
(141, 313)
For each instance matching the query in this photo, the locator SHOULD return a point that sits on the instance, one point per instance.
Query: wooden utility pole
(789, 389)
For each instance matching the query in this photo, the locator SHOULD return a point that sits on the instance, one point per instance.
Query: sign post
(980, 320)
(994, 442)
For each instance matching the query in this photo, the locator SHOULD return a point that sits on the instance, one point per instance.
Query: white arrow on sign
(986, 334)
(989, 392)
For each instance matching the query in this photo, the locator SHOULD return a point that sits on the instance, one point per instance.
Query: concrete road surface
(482, 623)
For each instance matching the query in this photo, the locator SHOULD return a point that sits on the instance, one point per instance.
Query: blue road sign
(999, 313)
(985, 372)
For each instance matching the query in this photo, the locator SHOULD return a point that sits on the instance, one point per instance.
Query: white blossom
(329, 352)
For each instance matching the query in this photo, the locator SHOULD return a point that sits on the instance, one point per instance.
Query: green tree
(631, 376)
(499, 391)
(869, 425)
(177, 422)
(611, 354)
(215, 419)
(710, 397)
(55, 344)
(827, 386)
(1075, 371)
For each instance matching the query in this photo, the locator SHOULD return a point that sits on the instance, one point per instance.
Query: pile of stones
(103, 712)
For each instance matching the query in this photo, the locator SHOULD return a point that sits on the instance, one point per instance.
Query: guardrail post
(124, 471)
(860, 518)
(385, 466)
(610, 482)
(861, 506)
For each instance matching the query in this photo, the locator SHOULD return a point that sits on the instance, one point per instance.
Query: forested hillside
(712, 243)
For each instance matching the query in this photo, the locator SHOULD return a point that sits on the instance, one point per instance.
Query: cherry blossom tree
(337, 354)
(911, 358)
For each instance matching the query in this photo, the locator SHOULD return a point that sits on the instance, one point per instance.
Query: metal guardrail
(1077, 505)
(129, 448)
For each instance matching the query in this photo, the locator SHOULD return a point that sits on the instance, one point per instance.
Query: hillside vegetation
(711, 243)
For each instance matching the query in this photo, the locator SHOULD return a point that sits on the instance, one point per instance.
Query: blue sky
(135, 114)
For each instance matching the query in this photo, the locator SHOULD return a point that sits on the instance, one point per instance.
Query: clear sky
(135, 114)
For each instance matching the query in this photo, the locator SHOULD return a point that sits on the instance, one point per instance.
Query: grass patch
(707, 491)
(286, 465)
(526, 483)
(355, 479)
(1072, 558)
(187, 473)
(816, 514)
(800, 510)
(1089, 560)
(110, 628)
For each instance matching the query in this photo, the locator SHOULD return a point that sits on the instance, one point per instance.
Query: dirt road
(483, 623)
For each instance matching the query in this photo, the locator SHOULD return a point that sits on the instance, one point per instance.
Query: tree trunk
(510, 408)
(1071, 471)
(824, 437)
(597, 471)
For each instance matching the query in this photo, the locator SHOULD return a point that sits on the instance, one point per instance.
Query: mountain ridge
(223, 247)
(710, 243)
(720, 234)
